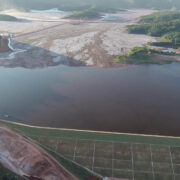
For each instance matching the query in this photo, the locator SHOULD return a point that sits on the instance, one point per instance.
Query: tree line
(162, 24)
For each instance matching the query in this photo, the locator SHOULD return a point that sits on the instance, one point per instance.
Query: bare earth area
(46, 39)
(27, 159)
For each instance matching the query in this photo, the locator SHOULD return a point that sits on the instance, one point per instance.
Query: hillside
(162, 24)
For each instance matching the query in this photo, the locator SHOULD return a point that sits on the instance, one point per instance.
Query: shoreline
(88, 131)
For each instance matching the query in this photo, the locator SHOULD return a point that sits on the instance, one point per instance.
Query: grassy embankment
(161, 24)
(4, 17)
(61, 133)
(74, 168)
(5, 174)
(77, 170)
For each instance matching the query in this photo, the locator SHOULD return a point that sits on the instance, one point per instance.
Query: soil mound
(27, 159)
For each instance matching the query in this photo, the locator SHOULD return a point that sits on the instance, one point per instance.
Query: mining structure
(4, 43)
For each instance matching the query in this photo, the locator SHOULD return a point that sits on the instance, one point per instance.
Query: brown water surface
(137, 99)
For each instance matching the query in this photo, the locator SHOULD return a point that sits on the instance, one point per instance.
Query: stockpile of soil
(27, 159)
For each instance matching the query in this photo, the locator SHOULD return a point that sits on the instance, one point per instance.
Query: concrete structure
(4, 41)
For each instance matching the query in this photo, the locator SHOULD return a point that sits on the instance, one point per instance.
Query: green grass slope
(128, 138)
(6, 174)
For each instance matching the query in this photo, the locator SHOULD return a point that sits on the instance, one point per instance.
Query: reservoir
(137, 99)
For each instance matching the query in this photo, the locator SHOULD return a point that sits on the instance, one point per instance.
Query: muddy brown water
(137, 99)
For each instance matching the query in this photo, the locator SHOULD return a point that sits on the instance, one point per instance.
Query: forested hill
(163, 16)
(165, 24)
(82, 4)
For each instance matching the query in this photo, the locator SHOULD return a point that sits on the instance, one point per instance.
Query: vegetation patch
(4, 17)
(90, 13)
(93, 12)
(106, 148)
(6, 174)
(173, 37)
(76, 169)
(157, 24)
(142, 55)
(160, 17)
(161, 24)
(170, 40)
